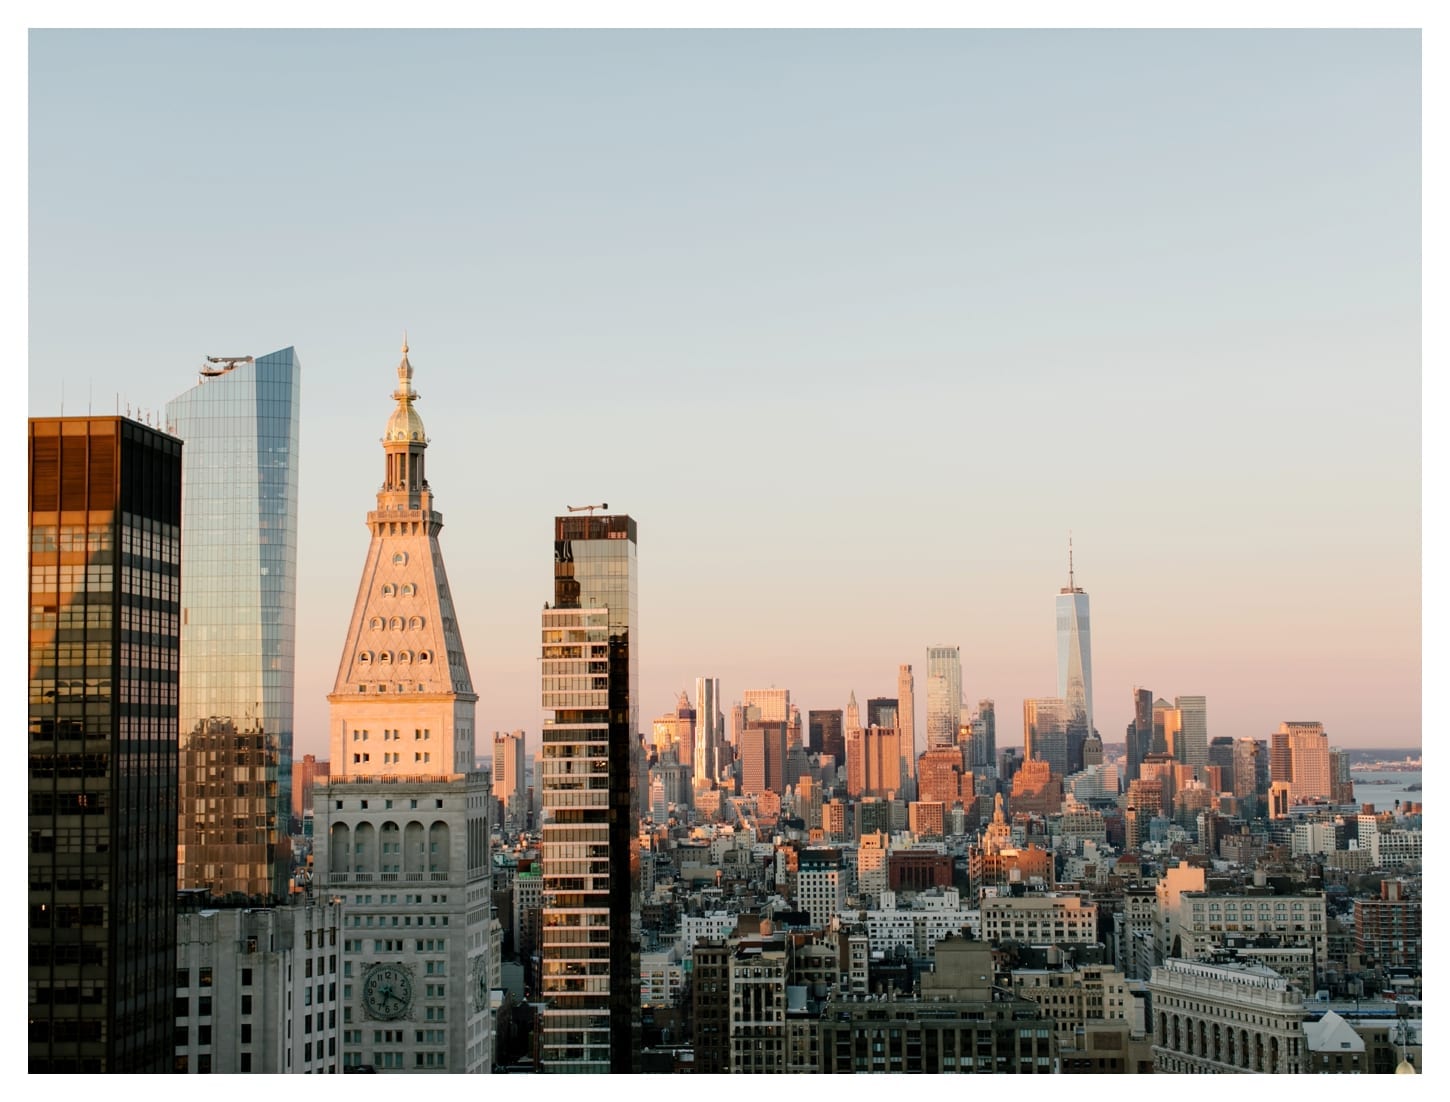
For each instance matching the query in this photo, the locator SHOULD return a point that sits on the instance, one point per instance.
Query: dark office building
(825, 734)
(1140, 732)
(105, 554)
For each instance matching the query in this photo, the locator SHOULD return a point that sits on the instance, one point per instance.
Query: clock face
(388, 991)
(480, 984)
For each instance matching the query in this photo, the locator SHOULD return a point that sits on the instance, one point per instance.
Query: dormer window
(400, 558)
(396, 623)
(364, 657)
(376, 623)
(407, 590)
(415, 623)
(389, 589)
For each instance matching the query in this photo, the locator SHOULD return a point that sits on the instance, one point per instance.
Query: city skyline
(761, 277)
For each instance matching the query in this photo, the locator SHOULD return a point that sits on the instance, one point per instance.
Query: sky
(859, 326)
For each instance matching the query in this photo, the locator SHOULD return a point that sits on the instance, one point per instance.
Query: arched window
(375, 623)
(407, 589)
(388, 589)
(396, 623)
(424, 656)
(364, 657)
(415, 623)
(385, 658)
(404, 657)
(400, 558)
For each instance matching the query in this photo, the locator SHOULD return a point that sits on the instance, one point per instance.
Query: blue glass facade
(238, 630)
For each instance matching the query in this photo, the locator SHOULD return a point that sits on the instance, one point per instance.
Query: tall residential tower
(590, 667)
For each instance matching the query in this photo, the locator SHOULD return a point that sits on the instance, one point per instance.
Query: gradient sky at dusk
(858, 326)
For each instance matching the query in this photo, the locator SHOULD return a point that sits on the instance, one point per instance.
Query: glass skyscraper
(943, 696)
(105, 559)
(590, 953)
(1074, 653)
(238, 622)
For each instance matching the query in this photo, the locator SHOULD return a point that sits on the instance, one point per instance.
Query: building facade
(590, 946)
(105, 561)
(1224, 1019)
(402, 826)
(239, 629)
(257, 990)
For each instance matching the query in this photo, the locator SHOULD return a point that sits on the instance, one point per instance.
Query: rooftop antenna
(1069, 560)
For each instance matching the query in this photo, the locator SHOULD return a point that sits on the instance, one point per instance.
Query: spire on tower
(1069, 549)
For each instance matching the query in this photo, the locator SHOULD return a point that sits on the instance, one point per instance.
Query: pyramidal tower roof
(402, 703)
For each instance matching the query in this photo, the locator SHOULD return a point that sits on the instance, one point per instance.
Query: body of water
(1367, 790)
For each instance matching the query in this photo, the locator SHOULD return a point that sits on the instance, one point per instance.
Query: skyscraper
(1310, 777)
(239, 621)
(707, 728)
(105, 560)
(1044, 732)
(853, 714)
(404, 804)
(1193, 713)
(509, 788)
(1140, 731)
(774, 704)
(1074, 651)
(591, 919)
(984, 737)
(881, 712)
(943, 695)
(906, 725)
(827, 733)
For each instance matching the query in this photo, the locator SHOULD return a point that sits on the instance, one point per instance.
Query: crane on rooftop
(587, 508)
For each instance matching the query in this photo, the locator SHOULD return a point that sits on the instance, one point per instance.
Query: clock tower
(401, 829)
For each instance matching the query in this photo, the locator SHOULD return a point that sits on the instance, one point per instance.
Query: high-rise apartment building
(1251, 767)
(708, 729)
(906, 724)
(1167, 729)
(239, 622)
(405, 807)
(943, 695)
(1074, 651)
(591, 690)
(105, 564)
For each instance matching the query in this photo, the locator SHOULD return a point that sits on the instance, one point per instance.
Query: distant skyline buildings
(1253, 257)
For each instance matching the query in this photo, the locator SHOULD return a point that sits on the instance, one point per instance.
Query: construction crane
(587, 508)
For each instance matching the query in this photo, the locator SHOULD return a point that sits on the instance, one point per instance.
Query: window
(247, 1006)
